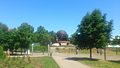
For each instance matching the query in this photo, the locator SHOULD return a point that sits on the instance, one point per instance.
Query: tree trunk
(116, 51)
(90, 53)
(105, 54)
(15, 51)
(12, 52)
(27, 51)
(101, 52)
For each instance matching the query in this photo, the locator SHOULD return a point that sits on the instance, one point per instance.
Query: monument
(61, 39)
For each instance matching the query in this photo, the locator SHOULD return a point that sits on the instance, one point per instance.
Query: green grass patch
(49, 62)
(38, 62)
(101, 63)
(39, 48)
(109, 51)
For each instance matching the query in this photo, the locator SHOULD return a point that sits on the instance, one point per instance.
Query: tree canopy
(42, 36)
(94, 31)
(23, 36)
(25, 32)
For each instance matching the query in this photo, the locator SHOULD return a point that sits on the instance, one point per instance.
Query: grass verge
(101, 63)
(38, 62)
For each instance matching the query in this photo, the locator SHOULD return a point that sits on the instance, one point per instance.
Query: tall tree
(74, 39)
(94, 31)
(43, 36)
(12, 39)
(25, 32)
(52, 36)
(3, 31)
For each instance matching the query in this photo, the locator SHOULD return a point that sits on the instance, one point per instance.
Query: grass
(48, 62)
(101, 63)
(109, 51)
(96, 63)
(38, 62)
(39, 48)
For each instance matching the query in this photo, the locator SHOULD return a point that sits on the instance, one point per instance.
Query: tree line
(23, 36)
(94, 31)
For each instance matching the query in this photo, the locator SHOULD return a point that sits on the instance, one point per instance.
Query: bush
(2, 54)
(39, 48)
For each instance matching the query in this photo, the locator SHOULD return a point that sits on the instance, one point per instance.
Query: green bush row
(39, 48)
(2, 54)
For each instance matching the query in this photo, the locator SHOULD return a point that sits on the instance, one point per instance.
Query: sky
(56, 14)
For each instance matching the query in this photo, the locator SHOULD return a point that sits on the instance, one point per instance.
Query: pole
(105, 53)
(116, 51)
(48, 49)
(32, 49)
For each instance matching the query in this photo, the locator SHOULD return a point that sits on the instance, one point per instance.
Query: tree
(12, 40)
(74, 39)
(94, 31)
(2, 55)
(52, 36)
(25, 32)
(3, 31)
(43, 36)
(116, 40)
(3, 27)
(8, 37)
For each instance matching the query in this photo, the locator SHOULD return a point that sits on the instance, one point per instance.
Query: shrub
(2, 54)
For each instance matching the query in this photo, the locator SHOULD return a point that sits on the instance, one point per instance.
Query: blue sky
(56, 14)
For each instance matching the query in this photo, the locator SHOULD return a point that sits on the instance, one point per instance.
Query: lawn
(38, 62)
(109, 51)
(101, 63)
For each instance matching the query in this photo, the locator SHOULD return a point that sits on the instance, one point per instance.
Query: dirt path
(64, 62)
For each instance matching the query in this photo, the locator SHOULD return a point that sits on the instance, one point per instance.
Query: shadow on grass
(80, 59)
(115, 61)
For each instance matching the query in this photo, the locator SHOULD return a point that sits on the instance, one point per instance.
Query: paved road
(64, 62)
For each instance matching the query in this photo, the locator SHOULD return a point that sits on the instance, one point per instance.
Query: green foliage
(101, 64)
(74, 39)
(25, 32)
(52, 36)
(3, 31)
(11, 39)
(38, 62)
(94, 31)
(40, 48)
(3, 27)
(48, 62)
(2, 54)
(43, 36)
(116, 40)
(23, 36)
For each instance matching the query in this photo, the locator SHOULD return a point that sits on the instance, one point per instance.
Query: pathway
(64, 62)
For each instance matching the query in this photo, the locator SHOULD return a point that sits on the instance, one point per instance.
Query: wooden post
(116, 51)
(90, 53)
(105, 53)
